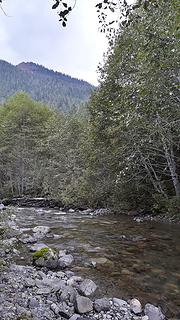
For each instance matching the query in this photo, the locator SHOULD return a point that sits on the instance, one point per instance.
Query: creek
(141, 259)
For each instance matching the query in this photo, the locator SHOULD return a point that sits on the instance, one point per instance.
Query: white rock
(41, 229)
(62, 253)
(135, 306)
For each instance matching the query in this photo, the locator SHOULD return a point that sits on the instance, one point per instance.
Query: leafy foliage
(135, 112)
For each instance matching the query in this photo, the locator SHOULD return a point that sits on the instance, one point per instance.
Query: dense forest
(123, 149)
(53, 88)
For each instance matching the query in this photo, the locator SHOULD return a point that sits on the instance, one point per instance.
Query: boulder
(102, 305)
(153, 313)
(65, 261)
(27, 239)
(40, 231)
(87, 287)
(83, 305)
(45, 258)
(135, 306)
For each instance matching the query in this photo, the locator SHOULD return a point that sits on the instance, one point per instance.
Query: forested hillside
(44, 85)
(123, 151)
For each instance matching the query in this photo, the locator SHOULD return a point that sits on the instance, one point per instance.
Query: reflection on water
(141, 260)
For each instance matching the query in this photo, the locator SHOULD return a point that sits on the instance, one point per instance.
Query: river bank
(137, 215)
(49, 289)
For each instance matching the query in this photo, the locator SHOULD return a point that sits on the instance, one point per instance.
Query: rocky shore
(137, 215)
(48, 289)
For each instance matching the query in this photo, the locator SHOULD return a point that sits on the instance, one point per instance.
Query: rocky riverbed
(45, 287)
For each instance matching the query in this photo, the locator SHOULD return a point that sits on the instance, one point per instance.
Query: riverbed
(140, 259)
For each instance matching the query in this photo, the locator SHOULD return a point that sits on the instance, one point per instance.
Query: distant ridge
(48, 86)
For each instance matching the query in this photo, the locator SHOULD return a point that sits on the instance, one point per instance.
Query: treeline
(123, 151)
(44, 85)
(40, 150)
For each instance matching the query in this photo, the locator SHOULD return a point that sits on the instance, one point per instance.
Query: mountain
(54, 88)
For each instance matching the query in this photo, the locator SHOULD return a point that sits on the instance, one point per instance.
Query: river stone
(90, 318)
(101, 263)
(48, 260)
(135, 306)
(54, 284)
(41, 229)
(38, 246)
(83, 304)
(65, 310)
(74, 317)
(102, 305)
(120, 303)
(71, 210)
(87, 287)
(153, 313)
(29, 282)
(27, 239)
(33, 302)
(68, 294)
(65, 261)
(74, 281)
(62, 253)
(55, 308)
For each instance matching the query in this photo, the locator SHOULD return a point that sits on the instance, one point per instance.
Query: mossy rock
(2, 264)
(2, 231)
(40, 253)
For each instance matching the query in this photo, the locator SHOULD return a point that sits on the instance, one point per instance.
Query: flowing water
(143, 259)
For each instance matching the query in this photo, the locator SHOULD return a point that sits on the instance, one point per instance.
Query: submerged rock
(65, 261)
(101, 263)
(153, 313)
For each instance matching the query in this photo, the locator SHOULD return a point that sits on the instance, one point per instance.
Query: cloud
(33, 33)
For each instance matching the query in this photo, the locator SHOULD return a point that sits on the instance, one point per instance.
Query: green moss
(22, 317)
(40, 253)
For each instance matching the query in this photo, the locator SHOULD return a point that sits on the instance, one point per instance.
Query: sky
(32, 32)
